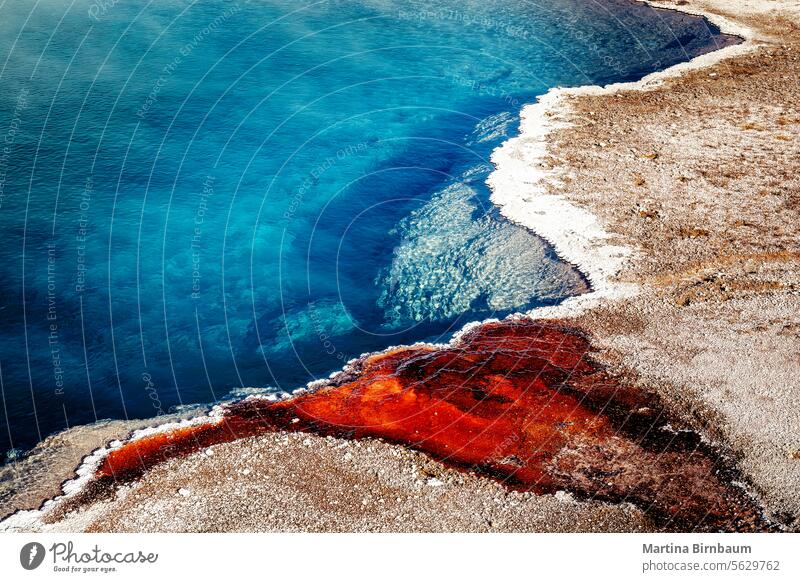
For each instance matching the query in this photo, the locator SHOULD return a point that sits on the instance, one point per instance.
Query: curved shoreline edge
(519, 183)
(519, 168)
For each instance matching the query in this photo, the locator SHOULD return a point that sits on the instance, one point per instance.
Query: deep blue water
(200, 196)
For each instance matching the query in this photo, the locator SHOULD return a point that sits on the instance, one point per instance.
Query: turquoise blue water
(203, 196)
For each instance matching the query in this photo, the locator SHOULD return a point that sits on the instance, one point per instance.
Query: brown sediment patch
(520, 401)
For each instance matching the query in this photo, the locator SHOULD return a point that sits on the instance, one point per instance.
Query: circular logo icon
(31, 555)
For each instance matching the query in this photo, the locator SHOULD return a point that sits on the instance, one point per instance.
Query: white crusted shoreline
(519, 184)
(33, 519)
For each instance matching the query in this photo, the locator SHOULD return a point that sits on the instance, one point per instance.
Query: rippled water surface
(199, 196)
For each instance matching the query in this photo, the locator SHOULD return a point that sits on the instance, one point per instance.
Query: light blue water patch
(454, 256)
(201, 196)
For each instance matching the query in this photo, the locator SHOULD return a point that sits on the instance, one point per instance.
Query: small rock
(183, 492)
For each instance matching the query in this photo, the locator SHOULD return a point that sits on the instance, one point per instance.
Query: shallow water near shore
(203, 196)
